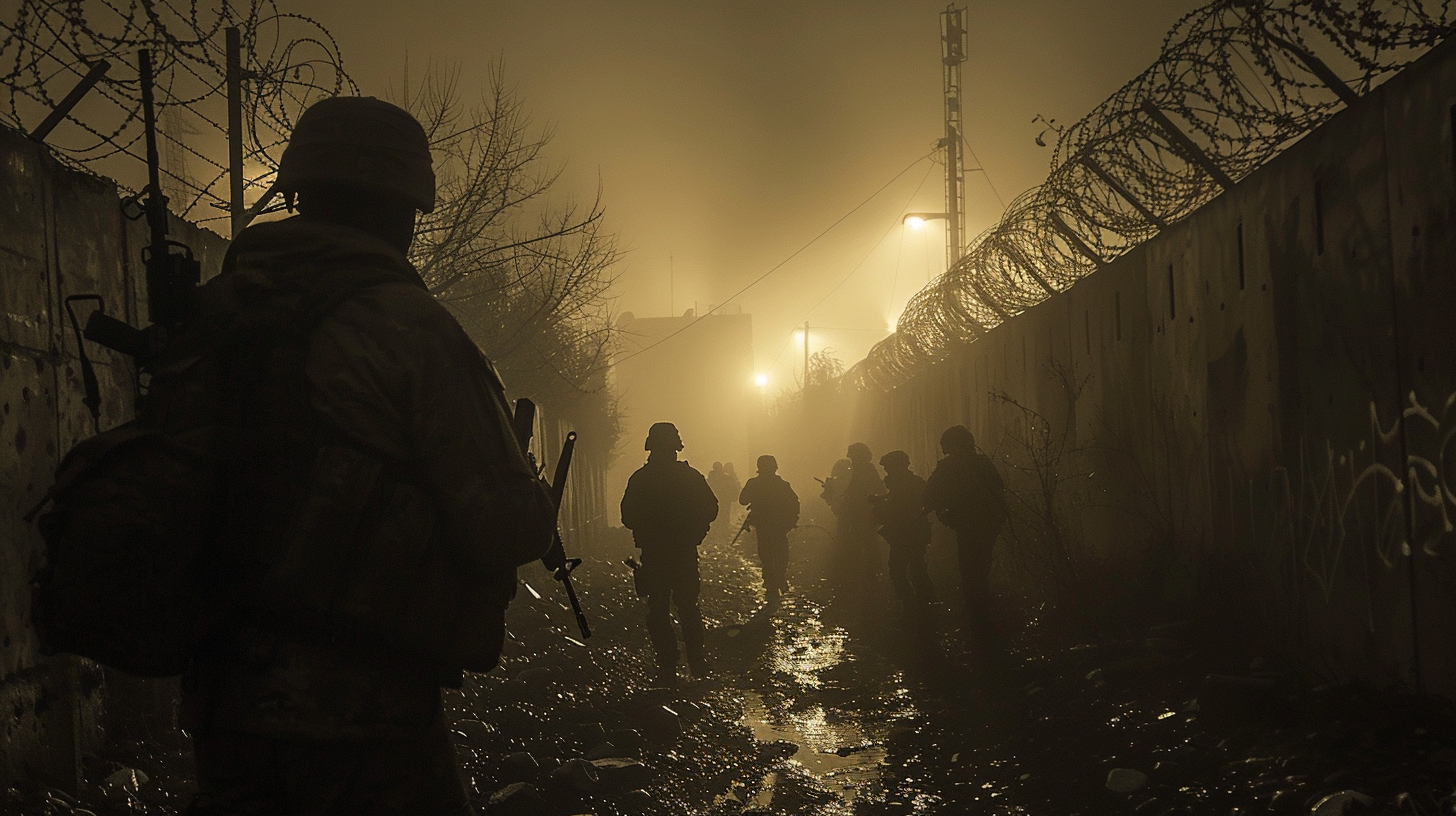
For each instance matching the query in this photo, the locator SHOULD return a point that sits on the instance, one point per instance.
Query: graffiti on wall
(1347, 507)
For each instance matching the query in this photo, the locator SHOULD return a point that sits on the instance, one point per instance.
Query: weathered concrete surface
(1267, 397)
(61, 233)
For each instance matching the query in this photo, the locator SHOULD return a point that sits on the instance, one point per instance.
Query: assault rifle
(173, 274)
(741, 530)
(524, 423)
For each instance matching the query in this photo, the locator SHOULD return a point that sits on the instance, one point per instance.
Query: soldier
(724, 493)
(968, 496)
(731, 488)
(668, 506)
(393, 500)
(906, 527)
(773, 510)
(858, 538)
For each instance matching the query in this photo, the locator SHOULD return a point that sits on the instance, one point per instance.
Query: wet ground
(837, 703)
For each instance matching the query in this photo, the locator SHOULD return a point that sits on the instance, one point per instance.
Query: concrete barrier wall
(61, 233)
(1267, 396)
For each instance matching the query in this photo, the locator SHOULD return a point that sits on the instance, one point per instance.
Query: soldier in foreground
(773, 510)
(669, 507)
(968, 496)
(906, 527)
(377, 528)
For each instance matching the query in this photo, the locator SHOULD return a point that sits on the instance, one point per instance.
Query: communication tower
(953, 44)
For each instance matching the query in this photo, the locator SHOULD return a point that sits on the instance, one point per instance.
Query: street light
(760, 380)
(916, 220)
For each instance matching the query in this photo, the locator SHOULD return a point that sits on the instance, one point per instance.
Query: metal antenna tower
(953, 45)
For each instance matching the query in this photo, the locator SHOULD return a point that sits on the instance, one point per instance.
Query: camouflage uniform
(968, 496)
(668, 506)
(294, 714)
(773, 512)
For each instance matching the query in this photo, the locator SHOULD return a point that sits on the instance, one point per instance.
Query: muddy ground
(839, 704)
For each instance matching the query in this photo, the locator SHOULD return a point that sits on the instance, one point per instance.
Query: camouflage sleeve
(393, 370)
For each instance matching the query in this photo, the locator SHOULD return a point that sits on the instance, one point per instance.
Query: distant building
(701, 380)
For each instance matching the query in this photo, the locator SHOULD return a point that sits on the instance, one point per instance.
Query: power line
(780, 264)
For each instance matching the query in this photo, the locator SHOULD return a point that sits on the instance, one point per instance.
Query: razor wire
(288, 62)
(1236, 83)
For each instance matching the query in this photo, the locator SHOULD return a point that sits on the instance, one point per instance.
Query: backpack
(145, 545)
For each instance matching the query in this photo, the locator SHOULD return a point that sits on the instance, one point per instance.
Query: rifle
(523, 422)
(173, 274)
(741, 529)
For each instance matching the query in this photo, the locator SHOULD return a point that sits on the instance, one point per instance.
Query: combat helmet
(359, 143)
(957, 439)
(663, 436)
(895, 459)
(859, 452)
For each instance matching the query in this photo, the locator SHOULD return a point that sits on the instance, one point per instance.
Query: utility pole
(953, 45)
(806, 355)
(235, 128)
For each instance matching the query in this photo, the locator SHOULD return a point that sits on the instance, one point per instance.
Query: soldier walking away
(858, 530)
(968, 496)
(668, 506)
(773, 510)
(905, 525)
(731, 488)
(723, 492)
(374, 521)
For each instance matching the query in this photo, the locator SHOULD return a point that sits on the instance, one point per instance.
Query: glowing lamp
(760, 380)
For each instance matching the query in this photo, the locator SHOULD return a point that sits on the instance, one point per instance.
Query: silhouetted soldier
(968, 496)
(668, 506)
(905, 525)
(773, 510)
(732, 488)
(374, 529)
(858, 530)
(723, 492)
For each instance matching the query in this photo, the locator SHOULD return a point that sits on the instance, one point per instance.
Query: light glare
(760, 380)
(914, 222)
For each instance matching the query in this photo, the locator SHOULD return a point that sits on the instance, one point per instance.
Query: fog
(727, 135)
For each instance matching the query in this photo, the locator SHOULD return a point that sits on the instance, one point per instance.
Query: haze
(727, 135)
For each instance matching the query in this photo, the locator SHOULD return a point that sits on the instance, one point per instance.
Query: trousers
(773, 554)
(907, 567)
(975, 547)
(671, 580)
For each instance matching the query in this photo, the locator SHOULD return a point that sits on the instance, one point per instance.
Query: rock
(577, 774)
(623, 774)
(1338, 804)
(607, 749)
(629, 739)
(519, 766)
(778, 749)
(637, 801)
(129, 778)
(537, 675)
(519, 799)
(658, 724)
(689, 712)
(1126, 780)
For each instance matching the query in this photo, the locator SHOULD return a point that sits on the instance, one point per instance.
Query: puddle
(820, 742)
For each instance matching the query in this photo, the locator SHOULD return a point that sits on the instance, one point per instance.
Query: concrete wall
(61, 233)
(1268, 395)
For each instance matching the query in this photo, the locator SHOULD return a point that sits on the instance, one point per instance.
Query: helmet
(361, 143)
(767, 464)
(662, 436)
(957, 439)
(859, 452)
(895, 460)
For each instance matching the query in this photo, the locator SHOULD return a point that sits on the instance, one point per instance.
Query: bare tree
(526, 273)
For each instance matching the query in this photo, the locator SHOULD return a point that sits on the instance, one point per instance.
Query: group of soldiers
(670, 507)
(382, 418)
